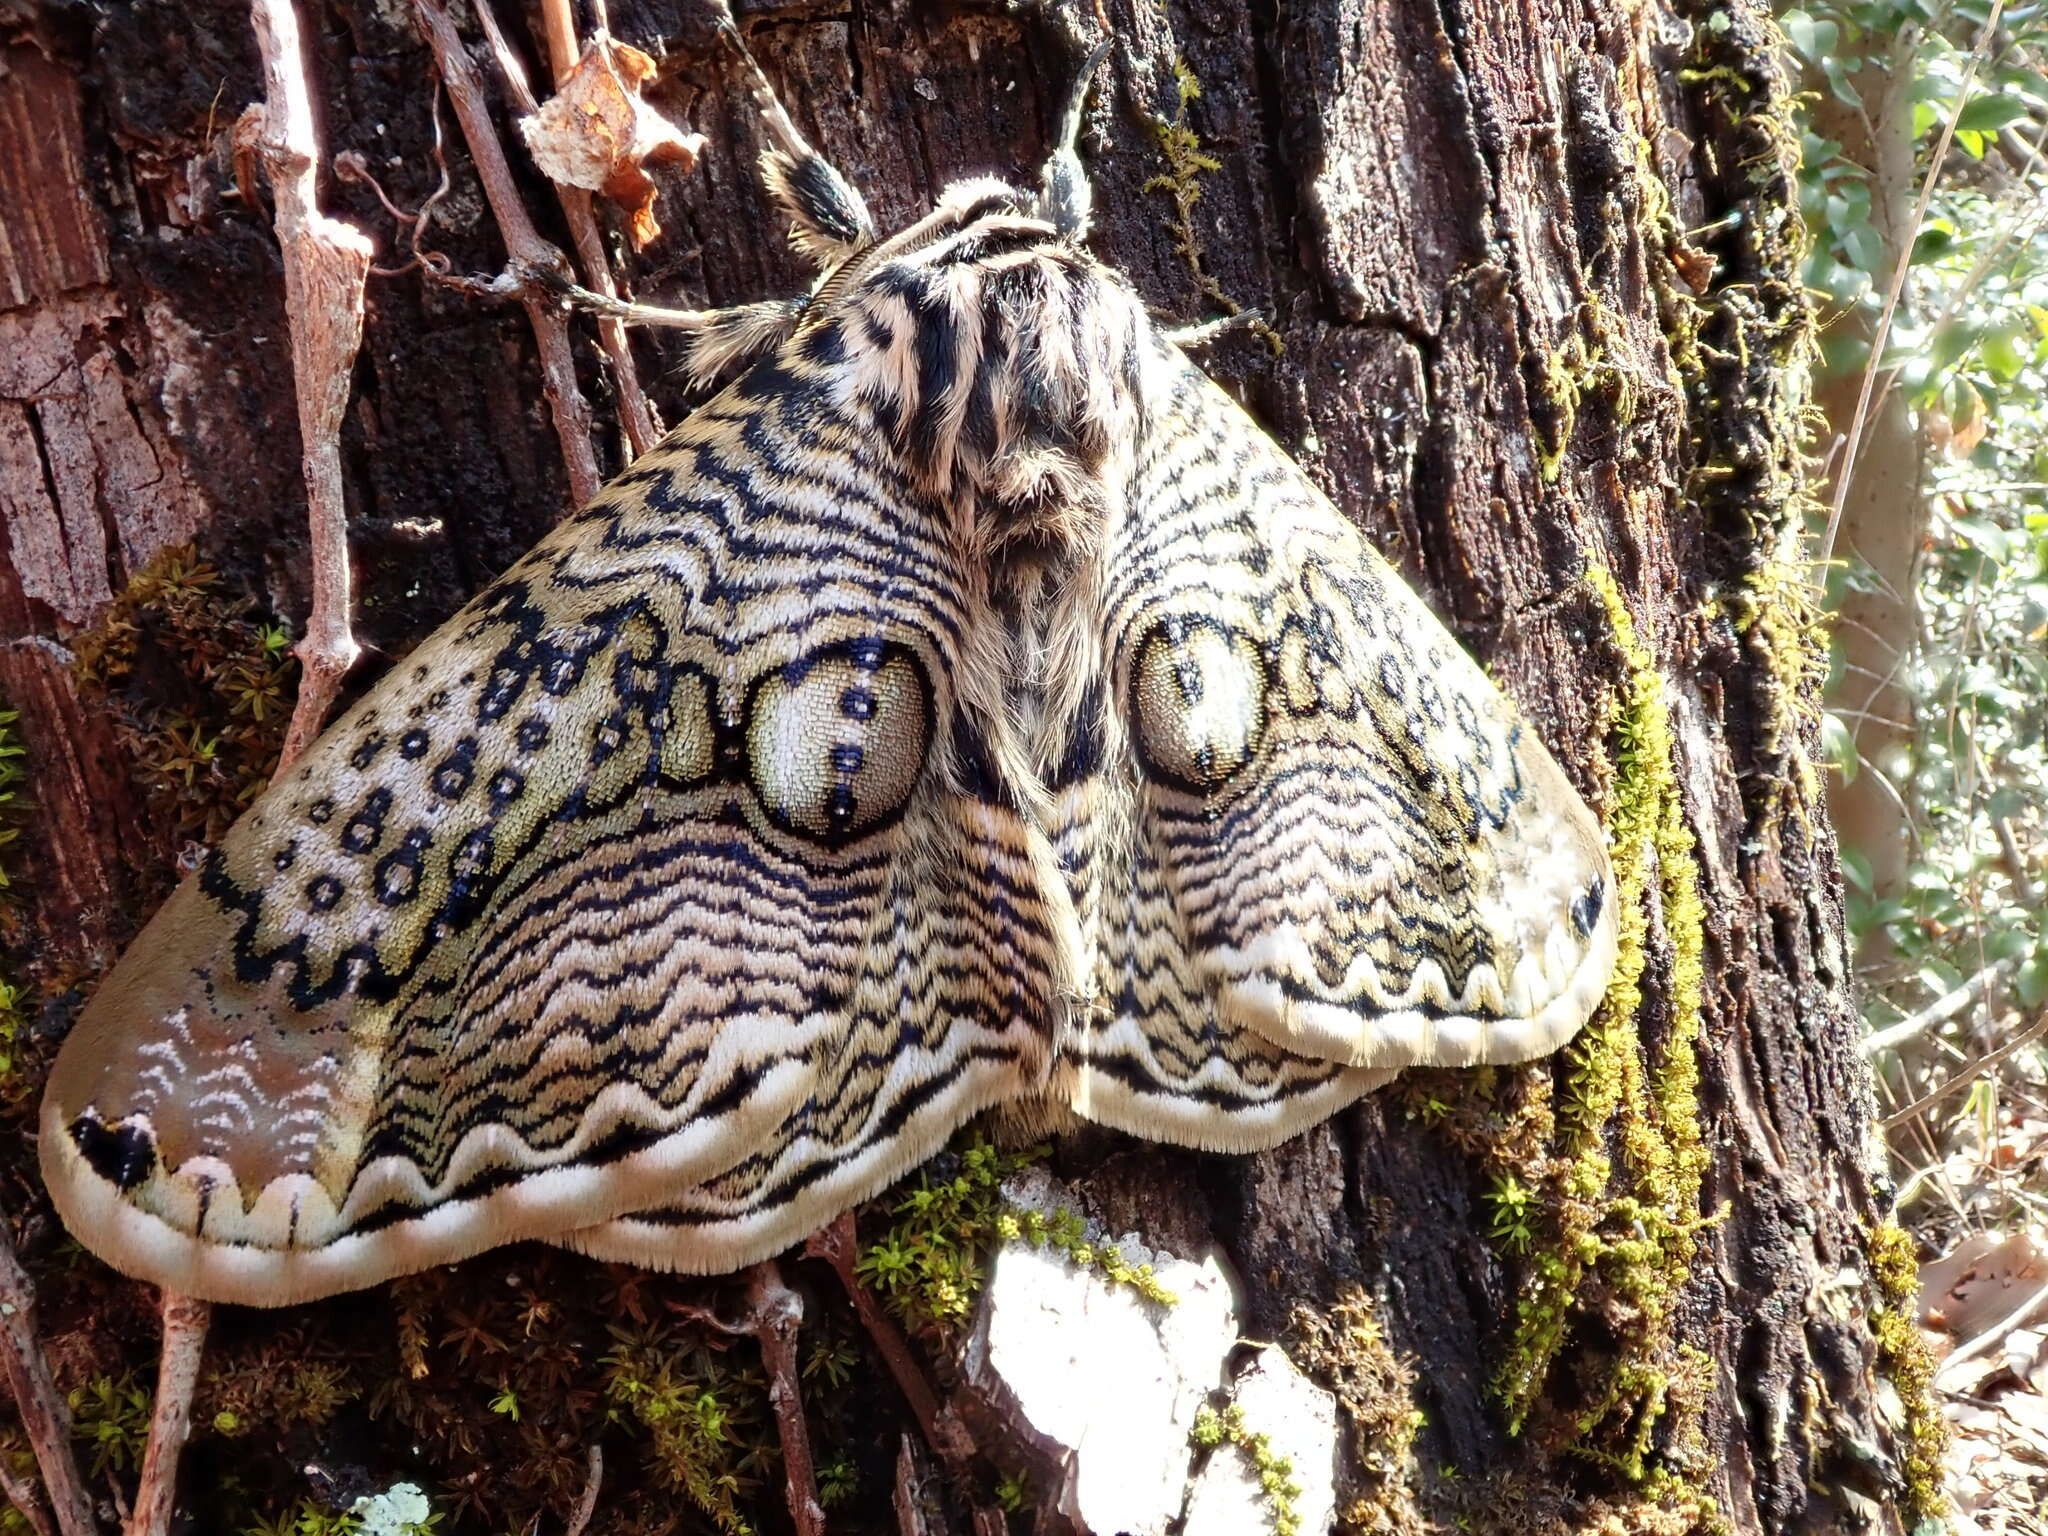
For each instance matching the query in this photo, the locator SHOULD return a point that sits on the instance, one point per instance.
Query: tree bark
(1575, 430)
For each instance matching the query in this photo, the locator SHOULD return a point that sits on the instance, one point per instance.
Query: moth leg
(719, 337)
(829, 220)
(1065, 198)
(1202, 332)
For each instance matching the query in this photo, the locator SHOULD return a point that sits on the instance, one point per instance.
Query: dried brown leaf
(599, 133)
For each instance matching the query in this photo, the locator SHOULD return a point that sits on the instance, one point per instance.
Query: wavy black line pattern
(969, 706)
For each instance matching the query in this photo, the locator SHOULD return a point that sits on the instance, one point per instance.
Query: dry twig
(777, 1312)
(21, 1493)
(523, 246)
(1940, 1011)
(326, 263)
(578, 211)
(42, 1411)
(1963, 1077)
(838, 1246)
(1949, 1371)
(170, 1416)
(774, 1313)
(912, 1501)
(587, 1505)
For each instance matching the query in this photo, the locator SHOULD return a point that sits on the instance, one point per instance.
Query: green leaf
(2030, 981)
(1989, 113)
(1838, 745)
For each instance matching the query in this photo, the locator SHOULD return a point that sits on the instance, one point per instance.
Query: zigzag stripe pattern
(969, 707)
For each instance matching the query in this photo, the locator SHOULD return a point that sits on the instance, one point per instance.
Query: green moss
(269, 1391)
(928, 1264)
(1186, 163)
(305, 1518)
(198, 681)
(1779, 613)
(1065, 1233)
(1013, 1493)
(13, 809)
(1746, 349)
(1622, 1188)
(396, 1513)
(20, 1460)
(1903, 1355)
(1344, 1348)
(705, 1416)
(110, 1416)
(1273, 1472)
(838, 1480)
(1586, 368)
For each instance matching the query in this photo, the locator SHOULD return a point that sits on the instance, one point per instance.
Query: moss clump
(273, 1390)
(1746, 349)
(1779, 614)
(199, 682)
(1186, 163)
(1585, 369)
(1065, 1233)
(403, 1511)
(1344, 1348)
(1273, 1472)
(927, 1264)
(705, 1416)
(13, 1029)
(1622, 1191)
(20, 1461)
(13, 809)
(110, 1417)
(1903, 1355)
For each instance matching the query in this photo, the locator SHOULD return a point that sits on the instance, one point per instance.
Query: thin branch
(838, 1245)
(21, 1493)
(1993, 1336)
(170, 1419)
(2015, 861)
(774, 1314)
(326, 263)
(1900, 268)
(1967, 1075)
(42, 1411)
(628, 311)
(642, 431)
(523, 246)
(1940, 1011)
(587, 1505)
(777, 1313)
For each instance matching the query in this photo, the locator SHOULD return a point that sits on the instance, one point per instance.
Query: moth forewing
(1378, 861)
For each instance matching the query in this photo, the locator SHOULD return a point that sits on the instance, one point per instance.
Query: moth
(969, 707)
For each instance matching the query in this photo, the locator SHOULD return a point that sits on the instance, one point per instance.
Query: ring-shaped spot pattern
(835, 740)
(1198, 702)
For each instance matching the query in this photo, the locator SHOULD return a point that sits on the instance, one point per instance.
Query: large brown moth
(970, 706)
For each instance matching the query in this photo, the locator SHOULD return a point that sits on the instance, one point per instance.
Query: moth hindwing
(970, 706)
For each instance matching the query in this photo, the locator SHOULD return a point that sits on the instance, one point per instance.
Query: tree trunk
(1635, 1282)
(1884, 516)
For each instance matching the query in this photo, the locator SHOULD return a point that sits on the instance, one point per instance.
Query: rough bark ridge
(1624, 1285)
